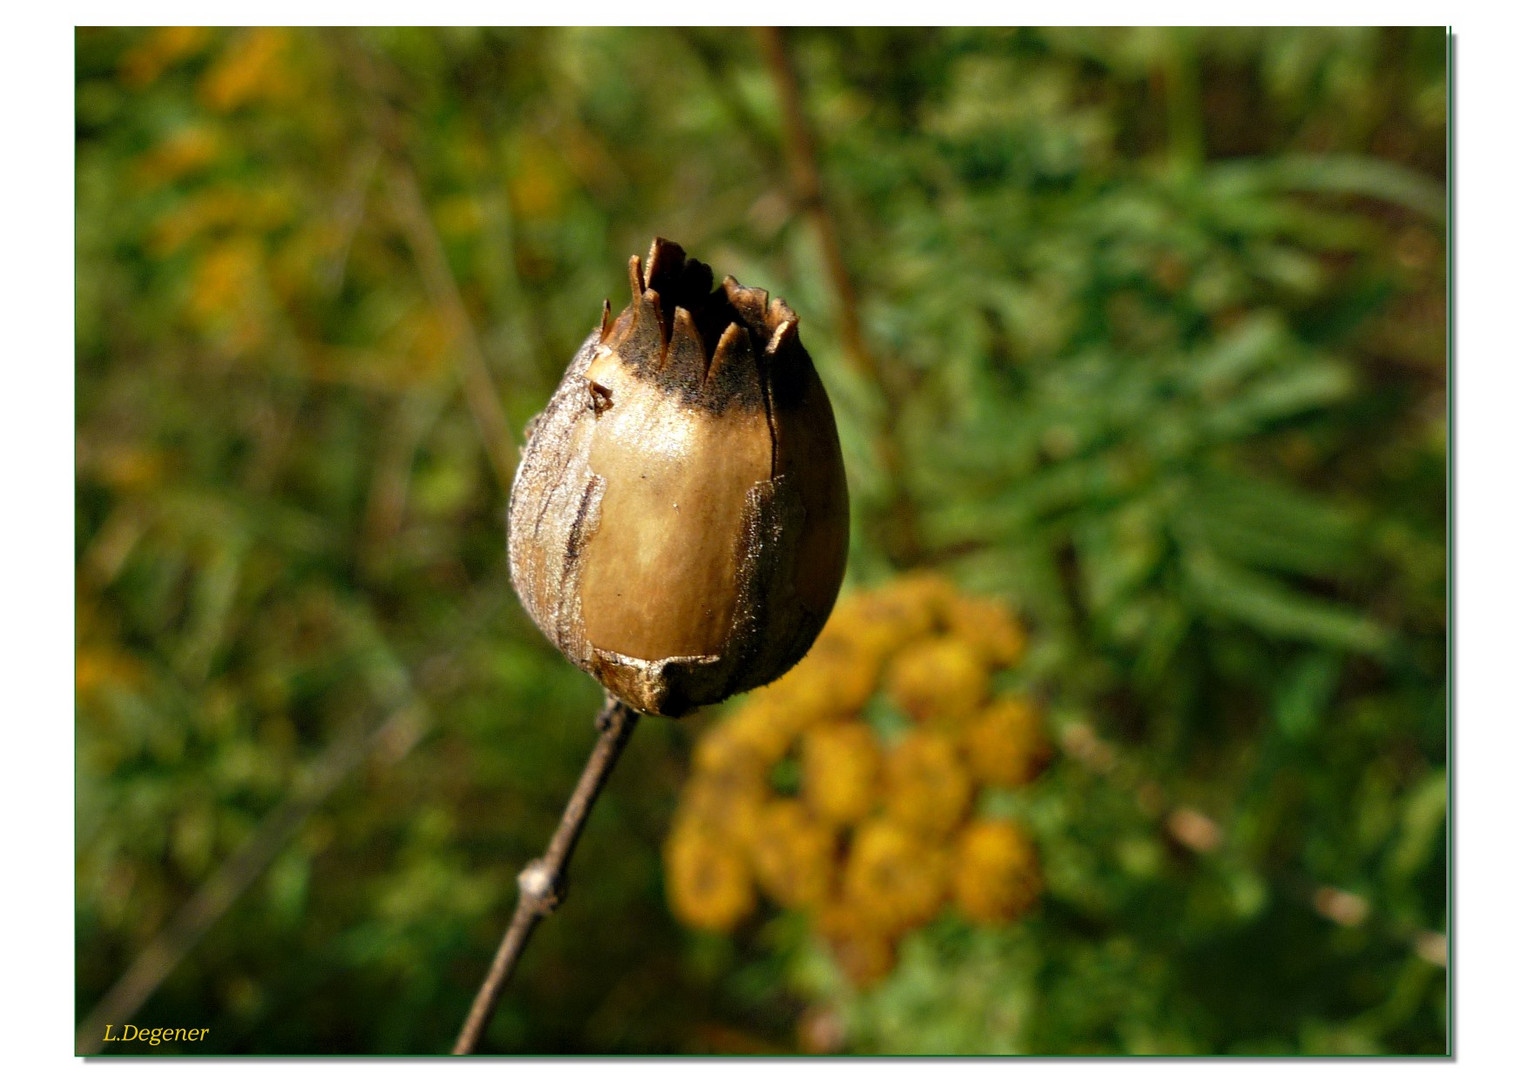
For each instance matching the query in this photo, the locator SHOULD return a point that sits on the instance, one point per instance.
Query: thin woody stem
(541, 884)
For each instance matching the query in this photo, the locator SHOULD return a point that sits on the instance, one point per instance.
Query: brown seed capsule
(678, 524)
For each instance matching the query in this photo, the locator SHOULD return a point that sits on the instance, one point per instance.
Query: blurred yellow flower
(894, 879)
(1004, 743)
(897, 613)
(793, 855)
(942, 678)
(223, 208)
(723, 752)
(707, 881)
(187, 151)
(996, 875)
(926, 787)
(726, 804)
(921, 595)
(866, 834)
(226, 279)
(840, 770)
(101, 668)
(768, 726)
(160, 49)
(987, 626)
(836, 678)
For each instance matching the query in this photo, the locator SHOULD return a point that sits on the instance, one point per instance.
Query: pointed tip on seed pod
(686, 359)
(785, 335)
(750, 303)
(734, 377)
(636, 277)
(778, 313)
(732, 350)
(607, 321)
(666, 260)
(785, 358)
(638, 334)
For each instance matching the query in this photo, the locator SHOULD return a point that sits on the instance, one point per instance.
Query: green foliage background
(1159, 319)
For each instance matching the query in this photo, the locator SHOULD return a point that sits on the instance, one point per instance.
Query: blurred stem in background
(893, 524)
(1180, 77)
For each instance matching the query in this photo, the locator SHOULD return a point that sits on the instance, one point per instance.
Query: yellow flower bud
(1004, 743)
(942, 678)
(707, 881)
(988, 627)
(840, 767)
(726, 805)
(883, 620)
(997, 876)
(765, 727)
(678, 524)
(895, 879)
(793, 855)
(725, 752)
(836, 679)
(926, 786)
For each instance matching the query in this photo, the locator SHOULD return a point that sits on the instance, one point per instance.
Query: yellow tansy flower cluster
(798, 798)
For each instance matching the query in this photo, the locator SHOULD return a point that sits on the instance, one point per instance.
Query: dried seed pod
(678, 523)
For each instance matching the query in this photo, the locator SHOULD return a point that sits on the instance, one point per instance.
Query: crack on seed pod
(599, 397)
(570, 624)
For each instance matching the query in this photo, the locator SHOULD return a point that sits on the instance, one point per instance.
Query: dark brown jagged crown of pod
(717, 349)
